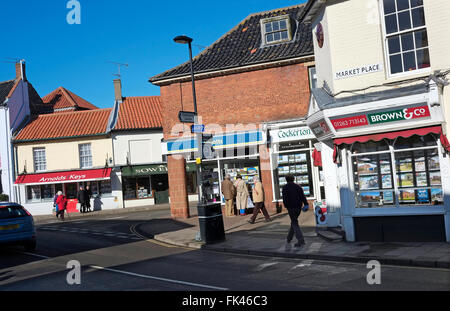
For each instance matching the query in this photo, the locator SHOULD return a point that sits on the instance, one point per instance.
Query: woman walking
(61, 203)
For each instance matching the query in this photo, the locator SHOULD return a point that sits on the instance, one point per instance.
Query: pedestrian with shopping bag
(241, 194)
(293, 199)
(229, 192)
(258, 200)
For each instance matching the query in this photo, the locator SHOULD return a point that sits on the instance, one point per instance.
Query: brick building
(253, 91)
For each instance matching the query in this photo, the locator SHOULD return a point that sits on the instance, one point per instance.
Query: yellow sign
(198, 161)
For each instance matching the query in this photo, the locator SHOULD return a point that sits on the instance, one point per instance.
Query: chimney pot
(118, 90)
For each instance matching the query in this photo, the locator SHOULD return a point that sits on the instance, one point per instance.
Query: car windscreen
(7, 212)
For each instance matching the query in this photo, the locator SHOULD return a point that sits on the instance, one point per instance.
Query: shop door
(161, 186)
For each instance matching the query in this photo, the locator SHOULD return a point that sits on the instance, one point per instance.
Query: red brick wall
(244, 98)
(179, 204)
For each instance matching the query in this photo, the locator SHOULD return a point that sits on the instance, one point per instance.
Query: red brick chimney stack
(20, 70)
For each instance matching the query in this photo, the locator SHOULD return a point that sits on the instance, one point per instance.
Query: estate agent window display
(399, 172)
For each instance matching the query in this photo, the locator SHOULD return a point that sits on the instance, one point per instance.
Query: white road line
(160, 279)
(265, 265)
(35, 255)
(304, 263)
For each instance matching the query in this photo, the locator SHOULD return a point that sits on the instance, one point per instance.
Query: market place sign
(398, 115)
(290, 134)
(358, 71)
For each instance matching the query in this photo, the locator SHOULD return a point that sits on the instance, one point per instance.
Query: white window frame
(39, 161)
(263, 23)
(82, 157)
(399, 33)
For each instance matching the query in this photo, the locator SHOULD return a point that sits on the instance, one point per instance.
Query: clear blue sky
(137, 32)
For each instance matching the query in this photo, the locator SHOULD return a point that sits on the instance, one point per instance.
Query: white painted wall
(143, 147)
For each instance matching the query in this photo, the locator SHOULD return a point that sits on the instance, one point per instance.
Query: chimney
(20, 70)
(118, 90)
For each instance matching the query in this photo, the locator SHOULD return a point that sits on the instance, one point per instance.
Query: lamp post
(187, 40)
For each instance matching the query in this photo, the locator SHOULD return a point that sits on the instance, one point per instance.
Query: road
(115, 256)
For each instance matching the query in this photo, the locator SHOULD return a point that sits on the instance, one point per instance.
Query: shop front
(386, 165)
(291, 152)
(36, 191)
(145, 185)
(236, 153)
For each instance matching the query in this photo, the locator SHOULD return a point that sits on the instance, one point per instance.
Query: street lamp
(187, 40)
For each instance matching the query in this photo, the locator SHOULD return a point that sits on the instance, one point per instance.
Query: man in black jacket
(293, 198)
(82, 198)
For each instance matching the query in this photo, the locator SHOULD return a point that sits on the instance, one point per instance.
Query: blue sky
(137, 32)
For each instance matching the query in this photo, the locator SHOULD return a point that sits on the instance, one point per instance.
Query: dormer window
(276, 29)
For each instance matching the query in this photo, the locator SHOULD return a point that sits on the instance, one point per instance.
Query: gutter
(58, 138)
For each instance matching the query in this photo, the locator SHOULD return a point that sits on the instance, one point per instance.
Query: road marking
(35, 255)
(133, 230)
(160, 279)
(265, 265)
(305, 263)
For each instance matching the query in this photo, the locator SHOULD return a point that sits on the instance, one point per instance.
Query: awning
(64, 177)
(392, 135)
(317, 157)
(221, 141)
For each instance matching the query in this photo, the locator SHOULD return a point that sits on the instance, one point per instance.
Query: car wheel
(30, 246)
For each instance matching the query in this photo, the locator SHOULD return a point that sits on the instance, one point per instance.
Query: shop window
(312, 77)
(406, 38)
(297, 164)
(38, 194)
(408, 174)
(40, 162)
(105, 187)
(136, 188)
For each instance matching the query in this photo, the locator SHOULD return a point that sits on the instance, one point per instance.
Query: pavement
(269, 239)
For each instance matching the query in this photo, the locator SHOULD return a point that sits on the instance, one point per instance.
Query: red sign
(64, 177)
(349, 122)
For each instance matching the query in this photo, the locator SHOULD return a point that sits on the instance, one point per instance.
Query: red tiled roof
(139, 113)
(66, 124)
(62, 98)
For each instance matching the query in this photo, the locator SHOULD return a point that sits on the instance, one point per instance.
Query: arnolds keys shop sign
(378, 117)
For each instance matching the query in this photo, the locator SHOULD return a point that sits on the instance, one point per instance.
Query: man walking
(293, 197)
(228, 191)
(258, 200)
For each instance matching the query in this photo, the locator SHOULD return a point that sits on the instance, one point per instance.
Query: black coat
(82, 196)
(293, 196)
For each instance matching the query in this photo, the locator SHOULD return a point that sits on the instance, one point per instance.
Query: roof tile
(139, 113)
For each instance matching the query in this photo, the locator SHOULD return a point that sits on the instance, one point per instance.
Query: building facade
(61, 152)
(379, 112)
(253, 80)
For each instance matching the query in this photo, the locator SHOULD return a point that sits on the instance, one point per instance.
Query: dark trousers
(83, 207)
(259, 206)
(60, 213)
(294, 213)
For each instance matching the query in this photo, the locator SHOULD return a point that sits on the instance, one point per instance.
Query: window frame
(265, 21)
(35, 160)
(395, 175)
(385, 38)
(81, 157)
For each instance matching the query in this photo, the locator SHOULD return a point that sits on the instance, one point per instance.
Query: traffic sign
(187, 116)
(197, 128)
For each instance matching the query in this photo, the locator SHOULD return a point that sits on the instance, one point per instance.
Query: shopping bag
(250, 203)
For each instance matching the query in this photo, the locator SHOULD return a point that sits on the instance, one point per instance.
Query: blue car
(17, 226)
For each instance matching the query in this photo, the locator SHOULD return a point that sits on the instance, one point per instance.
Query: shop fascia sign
(289, 134)
(358, 71)
(148, 170)
(379, 117)
(71, 177)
